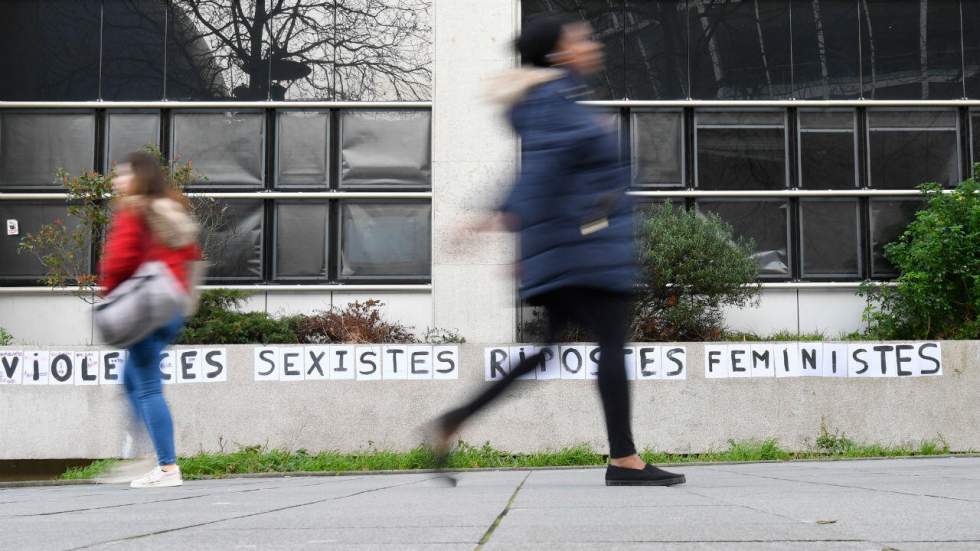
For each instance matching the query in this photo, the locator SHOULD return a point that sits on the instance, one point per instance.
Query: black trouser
(605, 316)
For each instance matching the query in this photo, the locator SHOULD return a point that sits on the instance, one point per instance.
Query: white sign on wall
(579, 362)
(105, 367)
(814, 359)
(393, 362)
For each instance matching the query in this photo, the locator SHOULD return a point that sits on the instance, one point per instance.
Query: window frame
(337, 248)
(631, 147)
(958, 177)
(854, 131)
(786, 145)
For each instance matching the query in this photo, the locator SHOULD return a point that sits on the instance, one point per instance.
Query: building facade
(344, 147)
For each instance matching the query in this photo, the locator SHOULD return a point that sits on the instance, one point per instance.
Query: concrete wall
(695, 415)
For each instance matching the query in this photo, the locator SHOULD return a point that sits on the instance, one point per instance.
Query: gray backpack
(145, 302)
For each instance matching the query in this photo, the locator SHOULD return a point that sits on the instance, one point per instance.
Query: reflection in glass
(830, 235)
(766, 222)
(302, 157)
(301, 239)
(49, 50)
(971, 52)
(225, 148)
(889, 217)
(741, 150)
(740, 50)
(609, 27)
(128, 132)
(34, 145)
(826, 56)
(909, 148)
(911, 49)
(385, 148)
(231, 237)
(133, 49)
(975, 133)
(379, 239)
(656, 49)
(658, 148)
(828, 149)
(30, 216)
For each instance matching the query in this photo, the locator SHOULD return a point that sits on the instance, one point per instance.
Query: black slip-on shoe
(647, 476)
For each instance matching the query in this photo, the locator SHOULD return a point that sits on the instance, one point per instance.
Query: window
(301, 239)
(828, 149)
(831, 238)
(233, 246)
(133, 49)
(303, 158)
(226, 147)
(385, 148)
(889, 217)
(34, 145)
(741, 150)
(766, 222)
(656, 49)
(128, 132)
(911, 147)
(826, 58)
(658, 148)
(385, 239)
(28, 216)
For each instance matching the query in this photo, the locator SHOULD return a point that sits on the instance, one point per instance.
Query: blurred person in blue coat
(575, 225)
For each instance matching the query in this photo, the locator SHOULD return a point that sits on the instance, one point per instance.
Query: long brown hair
(149, 180)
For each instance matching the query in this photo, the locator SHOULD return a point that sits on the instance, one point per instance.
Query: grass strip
(92, 470)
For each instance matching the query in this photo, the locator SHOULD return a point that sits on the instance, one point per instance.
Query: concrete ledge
(690, 416)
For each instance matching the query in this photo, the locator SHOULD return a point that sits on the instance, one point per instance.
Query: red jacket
(131, 242)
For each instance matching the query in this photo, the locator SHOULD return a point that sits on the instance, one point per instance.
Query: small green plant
(836, 443)
(6, 339)
(937, 294)
(693, 266)
(437, 335)
(91, 470)
(219, 321)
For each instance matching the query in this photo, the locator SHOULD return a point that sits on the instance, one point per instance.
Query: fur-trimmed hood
(169, 221)
(511, 86)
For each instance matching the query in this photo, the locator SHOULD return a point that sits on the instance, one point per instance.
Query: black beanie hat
(540, 37)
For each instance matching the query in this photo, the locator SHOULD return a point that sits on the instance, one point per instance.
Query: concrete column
(474, 158)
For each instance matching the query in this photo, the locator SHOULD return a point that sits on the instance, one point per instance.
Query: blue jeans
(141, 377)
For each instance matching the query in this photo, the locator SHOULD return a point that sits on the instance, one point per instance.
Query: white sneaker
(158, 478)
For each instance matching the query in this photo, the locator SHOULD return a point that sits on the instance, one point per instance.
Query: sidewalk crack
(496, 522)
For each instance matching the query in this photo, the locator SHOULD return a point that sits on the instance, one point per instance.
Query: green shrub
(6, 338)
(937, 295)
(218, 321)
(693, 266)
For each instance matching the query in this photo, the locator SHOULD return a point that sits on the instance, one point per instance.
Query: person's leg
(142, 375)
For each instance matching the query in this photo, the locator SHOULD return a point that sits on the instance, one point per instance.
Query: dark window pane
(609, 27)
(741, 151)
(217, 50)
(765, 222)
(658, 148)
(383, 49)
(33, 146)
(971, 53)
(912, 49)
(385, 239)
(656, 49)
(385, 148)
(29, 217)
(301, 239)
(908, 148)
(975, 132)
(128, 132)
(231, 237)
(827, 150)
(889, 218)
(302, 149)
(826, 59)
(740, 50)
(226, 148)
(831, 238)
(49, 50)
(132, 49)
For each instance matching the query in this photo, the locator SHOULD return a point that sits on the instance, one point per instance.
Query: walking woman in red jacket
(151, 222)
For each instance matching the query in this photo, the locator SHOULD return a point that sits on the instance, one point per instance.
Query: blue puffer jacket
(570, 175)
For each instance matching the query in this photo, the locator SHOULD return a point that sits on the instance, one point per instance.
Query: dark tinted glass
(303, 158)
(385, 148)
(29, 216)
(218, 50)
(740, 50)
(128, 132)
(609, 25)
(765, 222)
(226, 148)
(908, 148)
(826, 58)
(49, 50)
(741, 151)
(911, 49)
(658, 148)
(132, 49)
(971, 52)
(889, 217)
(33, 146)
(385, 239)
(827, 149)
(656, 49)
(830, 235)
(301, 239)
(975, 131)
(232, 237)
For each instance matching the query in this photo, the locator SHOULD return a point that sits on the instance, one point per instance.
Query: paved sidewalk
(855, 505)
